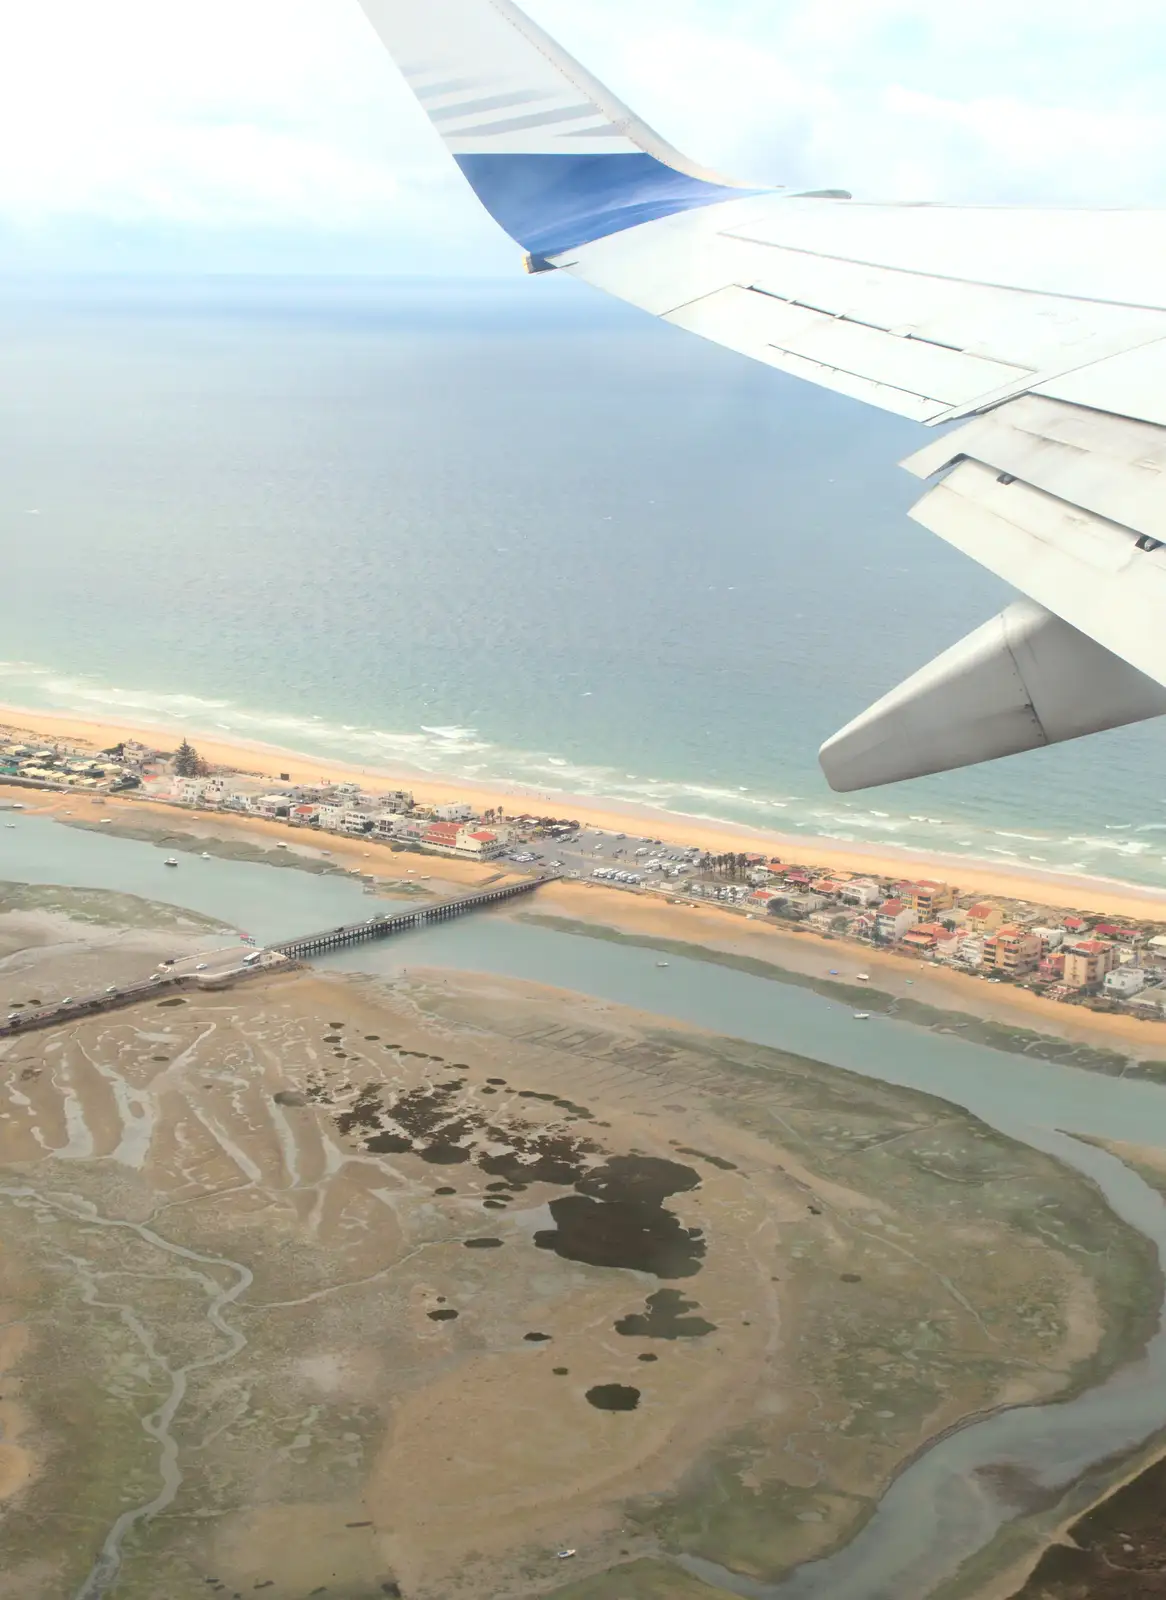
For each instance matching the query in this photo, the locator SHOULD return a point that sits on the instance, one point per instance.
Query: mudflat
(343, 1287)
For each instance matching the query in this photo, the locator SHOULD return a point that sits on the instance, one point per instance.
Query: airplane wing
(1041, 334)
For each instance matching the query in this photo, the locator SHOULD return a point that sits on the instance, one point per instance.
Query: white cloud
(284, 116)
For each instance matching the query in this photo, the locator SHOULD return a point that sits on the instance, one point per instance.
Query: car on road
(201, 967)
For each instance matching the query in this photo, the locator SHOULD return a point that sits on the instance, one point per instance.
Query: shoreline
(652, 918)
(1116, 897)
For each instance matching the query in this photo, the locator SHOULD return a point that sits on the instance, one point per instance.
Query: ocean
(499, 531)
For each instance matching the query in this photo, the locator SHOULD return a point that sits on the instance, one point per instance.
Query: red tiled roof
(981, 909)
(1089, 947)
(484, 837)
(891, 908)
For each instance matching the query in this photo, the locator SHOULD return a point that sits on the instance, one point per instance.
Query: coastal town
(1105, 963)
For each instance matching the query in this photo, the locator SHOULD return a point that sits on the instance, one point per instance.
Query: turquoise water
(504, 532)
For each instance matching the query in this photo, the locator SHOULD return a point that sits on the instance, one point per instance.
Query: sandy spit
(1043, 888)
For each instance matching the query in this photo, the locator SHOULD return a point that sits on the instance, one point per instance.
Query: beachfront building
(273, 805)
(1087, 963)
(925, 936)
(862, 892)
(481, 843)
(762, 899)
(894, 919)
(928, 897)
(1012, 951)
(984, 917)
(1124, 983)
(455, 811)
(1050, 938)
(970, 950)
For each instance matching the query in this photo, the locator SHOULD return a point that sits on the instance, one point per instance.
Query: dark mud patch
(442, 1316)
(445, 1190)
(664, 1317)
(613, 1397)
(713, 1161)
(290, 1097)
(482, 1244)
(647, 1356)
(618, 1219)
(622, 1233)
(537, 1338)
(615, 1218)
(176, 1001)
(389, 1144)
(495, 1205)
(560, 1372)
(851, 1277)
(333, 1038)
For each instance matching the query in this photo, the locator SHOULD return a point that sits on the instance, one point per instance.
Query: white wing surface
(1043, 332)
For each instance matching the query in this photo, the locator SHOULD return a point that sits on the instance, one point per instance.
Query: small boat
(863, 977)
(206, 855)
(862, 1016)
(170, 861)
(661, 963)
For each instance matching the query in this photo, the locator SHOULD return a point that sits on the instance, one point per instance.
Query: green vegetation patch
(194, 844)
(102, 907)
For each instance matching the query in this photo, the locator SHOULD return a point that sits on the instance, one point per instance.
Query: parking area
(623, 861)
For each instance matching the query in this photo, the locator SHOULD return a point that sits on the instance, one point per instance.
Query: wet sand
(1054, 889)
(520, 1270)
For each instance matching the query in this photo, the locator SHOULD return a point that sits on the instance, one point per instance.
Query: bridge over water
(160, 986)
(392, 922)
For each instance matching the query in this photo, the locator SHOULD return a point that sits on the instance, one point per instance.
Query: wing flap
(916, 378)
(1082, 567)
(1108, 465)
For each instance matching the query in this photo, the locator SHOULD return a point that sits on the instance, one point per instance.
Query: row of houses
(1068, 958)
(343, 808)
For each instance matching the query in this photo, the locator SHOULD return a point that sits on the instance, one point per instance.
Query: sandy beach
(1042, 888)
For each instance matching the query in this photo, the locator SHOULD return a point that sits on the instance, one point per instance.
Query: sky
(276, 136)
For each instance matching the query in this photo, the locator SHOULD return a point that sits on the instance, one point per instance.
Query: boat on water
(171, 861)
(862, 1016)
(661, 963)
(206, 855)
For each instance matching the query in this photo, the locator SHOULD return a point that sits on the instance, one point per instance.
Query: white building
(273, 805)
(481, 843)
(971, 951)
(456, 811)
(1124, 982)
(894, 919)
(1050, 938)
(861, 892)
